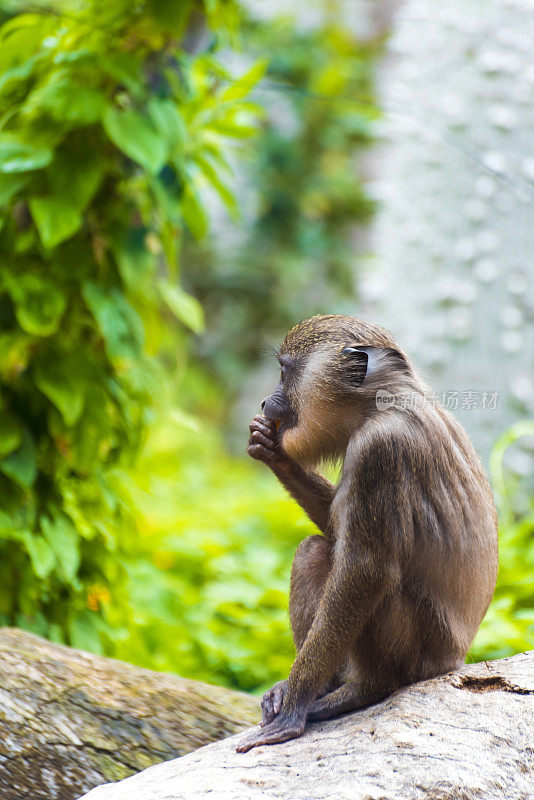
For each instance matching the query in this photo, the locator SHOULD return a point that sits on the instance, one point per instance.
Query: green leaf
(193, 211)
(39, 305)
(170, 239)
(170, 16)
(75, 175)
(15, 352)
(135, 261)
(242, 86)
(56, 219)
(94, 435)
(136, 136)
(16, 156)
(11, 77)
(21, 37)
(60, 377)
(84, 632)
(42, 558)
(119, 324)
(10, 434)
(11, 184)
(67, 100)
(184, 306)
(168, 120)
(21, 465)
(223, 190)
(83, 56)
(227, 127)
(124, 69)
(63, 539)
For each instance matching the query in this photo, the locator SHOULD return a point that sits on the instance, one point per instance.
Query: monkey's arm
(312, 492)
(366, 567)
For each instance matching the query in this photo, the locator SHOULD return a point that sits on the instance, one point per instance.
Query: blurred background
(182, 181)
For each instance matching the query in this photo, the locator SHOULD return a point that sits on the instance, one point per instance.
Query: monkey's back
(420, 493)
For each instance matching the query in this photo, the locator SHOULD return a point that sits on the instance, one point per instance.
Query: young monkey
(393, 589)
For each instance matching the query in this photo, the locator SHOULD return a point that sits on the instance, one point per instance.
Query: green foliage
(208, 584)
(296, 248)
(509, 624)
(108, 125)
(111, 132)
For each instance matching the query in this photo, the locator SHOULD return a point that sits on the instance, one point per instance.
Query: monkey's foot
(347, 697)
(271, 702)
(283, 728)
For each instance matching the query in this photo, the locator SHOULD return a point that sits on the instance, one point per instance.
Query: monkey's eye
(286, 369)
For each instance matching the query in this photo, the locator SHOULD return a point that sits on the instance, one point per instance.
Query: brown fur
(395, 588)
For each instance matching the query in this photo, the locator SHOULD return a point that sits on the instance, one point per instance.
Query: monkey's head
(331, 368)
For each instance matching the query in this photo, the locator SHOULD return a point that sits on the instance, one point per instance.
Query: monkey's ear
(356, 361)
(380, 358)
(367, 361)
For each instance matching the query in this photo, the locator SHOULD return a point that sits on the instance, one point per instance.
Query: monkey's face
(281, 405)
(330, 370)
(309, 405)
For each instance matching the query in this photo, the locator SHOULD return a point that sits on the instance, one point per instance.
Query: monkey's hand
(263, 444)
(313, 492)
(286, 726)
(271, 702)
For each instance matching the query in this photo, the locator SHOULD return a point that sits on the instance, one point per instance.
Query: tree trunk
(453, 274)
(468, 735)
(70, 720)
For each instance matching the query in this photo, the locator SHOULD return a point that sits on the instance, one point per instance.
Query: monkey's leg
(348, 697)
(352, 591)
(311, 566)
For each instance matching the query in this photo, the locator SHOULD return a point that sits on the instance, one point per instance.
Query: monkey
(395, 584)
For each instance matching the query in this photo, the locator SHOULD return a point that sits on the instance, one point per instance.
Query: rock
(70, 720)
(468, 734)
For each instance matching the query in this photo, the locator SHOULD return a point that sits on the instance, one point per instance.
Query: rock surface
(468, 734)
(70, 720)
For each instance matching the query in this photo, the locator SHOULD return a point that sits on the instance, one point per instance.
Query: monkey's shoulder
(398, 444)
(408, 478)
(389, 437)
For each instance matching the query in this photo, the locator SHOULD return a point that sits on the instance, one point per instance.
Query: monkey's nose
(263, 402)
